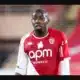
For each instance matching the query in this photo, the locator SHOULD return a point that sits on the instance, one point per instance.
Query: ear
(48, 20)
(32, 20)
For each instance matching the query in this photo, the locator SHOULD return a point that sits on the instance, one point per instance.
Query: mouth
(38, 27)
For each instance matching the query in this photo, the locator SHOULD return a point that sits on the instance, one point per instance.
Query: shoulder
(26, 36)
(56, 32)
(59, 35)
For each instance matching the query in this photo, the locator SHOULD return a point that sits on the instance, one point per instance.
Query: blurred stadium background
(15, 21)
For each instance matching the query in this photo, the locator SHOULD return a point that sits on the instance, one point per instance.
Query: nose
(37, 21)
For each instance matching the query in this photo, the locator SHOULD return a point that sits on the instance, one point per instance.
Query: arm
(17, 73)
(21, 67)
(64, 66)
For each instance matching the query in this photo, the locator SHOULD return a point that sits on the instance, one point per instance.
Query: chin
(38, 29)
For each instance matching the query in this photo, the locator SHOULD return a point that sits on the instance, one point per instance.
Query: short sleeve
(22, 60)
(63, 49)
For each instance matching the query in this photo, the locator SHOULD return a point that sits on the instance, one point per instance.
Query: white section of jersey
(30, 69)
(61, 51)
(22, 58)
(64, 67)
(40, 45)
(24, 66)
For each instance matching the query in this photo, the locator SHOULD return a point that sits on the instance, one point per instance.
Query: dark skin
(39, 24)
(39, 21)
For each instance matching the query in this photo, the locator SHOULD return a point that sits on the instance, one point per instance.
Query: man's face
(38, 21)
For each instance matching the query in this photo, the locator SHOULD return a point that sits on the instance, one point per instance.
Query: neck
(40, 33)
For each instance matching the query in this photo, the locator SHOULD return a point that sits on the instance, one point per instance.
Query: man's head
(39, 20)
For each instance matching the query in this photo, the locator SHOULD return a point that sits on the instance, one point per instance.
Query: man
(44, 51)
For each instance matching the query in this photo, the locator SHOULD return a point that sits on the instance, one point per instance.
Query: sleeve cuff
(20, 71)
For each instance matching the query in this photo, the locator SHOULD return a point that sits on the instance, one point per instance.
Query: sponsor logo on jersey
(51, 40)
(40, 53)
(40, 45)
(29, 43)
(19, 67)
(61, 51)
(64, 42)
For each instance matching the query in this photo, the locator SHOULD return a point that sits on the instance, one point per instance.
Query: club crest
(51, 40)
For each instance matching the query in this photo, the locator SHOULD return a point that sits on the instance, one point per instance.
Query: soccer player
(44, 51)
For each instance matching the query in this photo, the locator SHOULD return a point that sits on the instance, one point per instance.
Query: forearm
(65, 67)
(18, 74)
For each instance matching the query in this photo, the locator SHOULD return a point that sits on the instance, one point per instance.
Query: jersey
(42, 55)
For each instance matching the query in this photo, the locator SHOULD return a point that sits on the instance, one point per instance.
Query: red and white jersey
(42, 55)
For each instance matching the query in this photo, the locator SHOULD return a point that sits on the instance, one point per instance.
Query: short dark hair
(40, 11)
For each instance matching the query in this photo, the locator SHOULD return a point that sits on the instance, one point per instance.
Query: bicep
(63, 48)
(64, 51)
(64, 57)
(64, 60)
(64, 67)
(22, 60)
